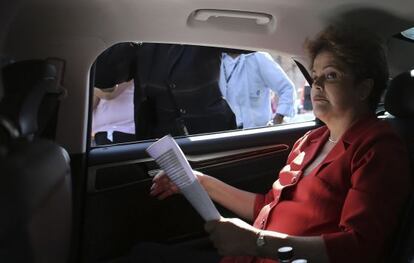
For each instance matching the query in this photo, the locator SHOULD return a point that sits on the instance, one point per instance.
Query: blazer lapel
(314, 146)
(334, 154)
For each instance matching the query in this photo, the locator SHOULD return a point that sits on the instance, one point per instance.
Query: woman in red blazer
(340, 193)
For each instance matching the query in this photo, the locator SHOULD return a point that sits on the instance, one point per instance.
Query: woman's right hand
(162, 187)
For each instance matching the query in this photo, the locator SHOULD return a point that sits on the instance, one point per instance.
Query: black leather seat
(35, 185)
(399, 101)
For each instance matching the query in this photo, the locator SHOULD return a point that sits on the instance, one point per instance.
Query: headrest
(25, 85)
(399, 99)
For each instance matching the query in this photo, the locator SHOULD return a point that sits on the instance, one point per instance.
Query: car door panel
(119, 211)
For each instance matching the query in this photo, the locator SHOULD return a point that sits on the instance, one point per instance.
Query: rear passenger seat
(35, 189)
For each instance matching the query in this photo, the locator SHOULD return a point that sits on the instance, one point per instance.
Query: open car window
(145, 91)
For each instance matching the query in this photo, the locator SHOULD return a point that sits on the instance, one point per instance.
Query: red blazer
(352, 198)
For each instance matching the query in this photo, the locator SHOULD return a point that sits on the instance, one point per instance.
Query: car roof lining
(123, 20)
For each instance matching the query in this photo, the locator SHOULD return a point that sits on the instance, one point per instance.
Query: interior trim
(196, 162)
(225, 157)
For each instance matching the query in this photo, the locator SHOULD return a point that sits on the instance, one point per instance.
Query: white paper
(171, 159)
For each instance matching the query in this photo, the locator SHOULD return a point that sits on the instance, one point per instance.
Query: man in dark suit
(176, 87)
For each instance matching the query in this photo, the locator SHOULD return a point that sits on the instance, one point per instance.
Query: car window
(145, 91)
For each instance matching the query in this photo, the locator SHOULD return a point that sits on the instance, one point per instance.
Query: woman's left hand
(232, 236)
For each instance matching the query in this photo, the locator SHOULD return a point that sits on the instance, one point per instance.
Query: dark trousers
(159, 253)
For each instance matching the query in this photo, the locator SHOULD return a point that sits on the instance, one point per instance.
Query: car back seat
(399, 101)
(35, 185)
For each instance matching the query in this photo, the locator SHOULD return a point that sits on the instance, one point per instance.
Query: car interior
(66, 199)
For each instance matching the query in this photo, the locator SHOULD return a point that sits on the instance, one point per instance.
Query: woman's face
(334, 90)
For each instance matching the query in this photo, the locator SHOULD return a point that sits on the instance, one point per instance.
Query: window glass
(146, 90)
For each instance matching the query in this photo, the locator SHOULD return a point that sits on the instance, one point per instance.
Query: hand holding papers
(171, 159)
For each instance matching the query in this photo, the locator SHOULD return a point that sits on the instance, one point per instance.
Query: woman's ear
(365, 88)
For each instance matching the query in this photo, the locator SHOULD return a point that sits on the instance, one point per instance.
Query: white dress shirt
(246, 81)
(115, 114)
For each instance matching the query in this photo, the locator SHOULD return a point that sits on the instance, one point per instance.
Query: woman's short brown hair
(359, 49)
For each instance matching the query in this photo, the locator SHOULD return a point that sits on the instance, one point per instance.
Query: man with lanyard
(246, 81)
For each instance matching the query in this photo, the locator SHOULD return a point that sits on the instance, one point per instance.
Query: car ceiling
(78, 30)
(111, 21)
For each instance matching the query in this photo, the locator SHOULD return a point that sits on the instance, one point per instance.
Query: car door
(119, 211)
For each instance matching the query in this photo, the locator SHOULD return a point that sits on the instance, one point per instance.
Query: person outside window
(113, 114)
(246, 81)
(176, 87)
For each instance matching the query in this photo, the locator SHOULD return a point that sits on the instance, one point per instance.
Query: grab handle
(205, 14)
